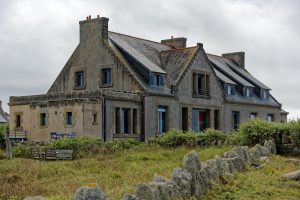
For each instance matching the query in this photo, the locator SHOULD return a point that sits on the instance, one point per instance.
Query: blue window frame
(69, 118)
(199, 120)
(230, 89)
(79, 79)
(106, 76)
(162, 119)
(157, 80)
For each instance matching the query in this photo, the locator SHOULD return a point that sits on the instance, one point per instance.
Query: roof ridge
(139, 38)
(214, 55)
(180, 49)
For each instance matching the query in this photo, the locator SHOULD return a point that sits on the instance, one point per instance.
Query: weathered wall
(91, 56)
(245, 111)
(56, 119)
(151, 113)
(184, 90)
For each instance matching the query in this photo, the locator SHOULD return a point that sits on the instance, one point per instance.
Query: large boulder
(89, 192)
(295, 175)
(242, 152)
(163, 188)
(129, 197)
(182, 180)
(144, 191)
(271, 145)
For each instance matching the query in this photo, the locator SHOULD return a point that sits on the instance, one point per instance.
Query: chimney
(175, 42)
(238, 57)
(93, 28)
(0, 104)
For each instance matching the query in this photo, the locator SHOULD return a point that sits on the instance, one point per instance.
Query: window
(253, 115)
(79, 79)
(135, 121)
(43, 119)
(162, 119)
(235, 120)
(69, 118)
(201, 84)
(270, 117)
(117, 120)
(157, 80)
(264, 94)
(18, 121)
(184, 118)
(217, 119)
(199, 120)
(248, 92)
(230, 89)
(125, 120)
(106, 76)
(95, 120)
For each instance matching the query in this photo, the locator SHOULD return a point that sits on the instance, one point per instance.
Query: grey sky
(37, 37)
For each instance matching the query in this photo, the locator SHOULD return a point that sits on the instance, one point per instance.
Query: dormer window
(230, 89)
(157, 79)
(264, 94)
(248, 92)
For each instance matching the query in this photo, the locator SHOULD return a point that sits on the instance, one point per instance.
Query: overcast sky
(37, 37)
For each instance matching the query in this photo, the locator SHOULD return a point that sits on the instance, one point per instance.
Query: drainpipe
(143, 110)
(103, 119)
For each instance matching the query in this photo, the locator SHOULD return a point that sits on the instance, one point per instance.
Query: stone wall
(194, 178)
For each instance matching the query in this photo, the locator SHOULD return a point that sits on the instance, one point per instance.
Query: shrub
(294, 127)
(210, 137)
(21, 151)
(81, 145)
(3, 129)
(175, 138)
(114, 145)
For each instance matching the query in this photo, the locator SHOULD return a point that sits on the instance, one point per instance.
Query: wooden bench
(62, 154)
(35, 153)
(50, 154)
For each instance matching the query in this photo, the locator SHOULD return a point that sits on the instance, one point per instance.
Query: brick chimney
(175, 42)
(238, 57)
(93, 28)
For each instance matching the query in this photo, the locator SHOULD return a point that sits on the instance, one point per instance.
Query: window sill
(123, 135)
(79, 87)
(43, 127)
(201, 96)
(19, 128)
(106, 85)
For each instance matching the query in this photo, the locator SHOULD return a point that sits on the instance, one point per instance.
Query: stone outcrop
(195, 178)
(292, 176)
(89, 192)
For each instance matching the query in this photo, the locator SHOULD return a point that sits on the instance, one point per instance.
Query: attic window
(158, 80)
(230, 89)
(201, 85)
(248, 92)
(264, 94)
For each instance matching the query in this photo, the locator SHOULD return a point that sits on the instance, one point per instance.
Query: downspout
(103, 118)
(143, 110)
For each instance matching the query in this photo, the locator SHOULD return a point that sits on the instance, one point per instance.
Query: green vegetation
(116, 173)
(3, 129)
(260, 184)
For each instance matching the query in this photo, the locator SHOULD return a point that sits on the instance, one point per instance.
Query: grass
(116, 174)
(260, 184)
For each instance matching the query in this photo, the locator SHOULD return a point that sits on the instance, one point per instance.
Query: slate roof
(3, 117)
(220, 63)
(174, 62)
(160, 58)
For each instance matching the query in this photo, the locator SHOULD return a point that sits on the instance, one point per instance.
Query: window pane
(69, 119)
(162, 117)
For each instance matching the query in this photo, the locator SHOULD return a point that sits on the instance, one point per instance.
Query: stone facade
(117, 86)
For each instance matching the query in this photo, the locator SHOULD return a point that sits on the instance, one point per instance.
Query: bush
(295, 131)
(81, 145)
(3, 129)
(21, 151)
(113, 145)
(210, 137)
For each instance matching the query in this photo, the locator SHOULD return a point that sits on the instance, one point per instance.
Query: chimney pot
(87, 17)
(237, 57)
(172, 37)
(98, 16)
(90, 17)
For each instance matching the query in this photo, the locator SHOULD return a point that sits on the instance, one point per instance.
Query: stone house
(120, 86)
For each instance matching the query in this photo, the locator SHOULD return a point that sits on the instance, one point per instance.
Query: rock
(243, 153)
(264, 159)
(182, 180)
(35, 198)
(295, 175)
(271, 145)
(145, 192)
(255, 153)
(226, 178)
(89, 192)
(163, 190)
(220, 143)
(213, 167)
(265, 151)
(192, 164)
(129, 197)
